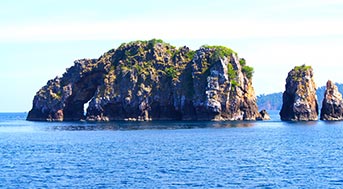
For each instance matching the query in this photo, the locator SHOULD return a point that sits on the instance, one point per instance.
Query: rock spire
(299, 98)
(332, 106)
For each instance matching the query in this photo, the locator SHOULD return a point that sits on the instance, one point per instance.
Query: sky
(39, 39)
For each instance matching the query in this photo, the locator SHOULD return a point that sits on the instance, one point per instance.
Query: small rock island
(300, 99)
(153, 80)
(332, 107)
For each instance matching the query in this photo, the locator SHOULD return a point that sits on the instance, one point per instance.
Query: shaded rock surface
(299, 98)
(63, 98)
(264, 115)
(151, 80)
(332, 106)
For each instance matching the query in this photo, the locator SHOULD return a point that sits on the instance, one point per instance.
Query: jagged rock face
(62, 99)
(299, 98)
(332, 108)
(152, 80)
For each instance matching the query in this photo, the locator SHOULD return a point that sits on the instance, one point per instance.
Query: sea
(164, 154)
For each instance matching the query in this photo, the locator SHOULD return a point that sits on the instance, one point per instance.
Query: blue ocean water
(269, 154)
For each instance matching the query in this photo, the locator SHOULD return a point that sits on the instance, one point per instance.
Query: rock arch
(82, 92)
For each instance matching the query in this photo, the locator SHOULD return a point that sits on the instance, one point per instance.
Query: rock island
(151, 80)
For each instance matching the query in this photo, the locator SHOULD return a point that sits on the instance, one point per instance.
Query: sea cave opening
(85, 107)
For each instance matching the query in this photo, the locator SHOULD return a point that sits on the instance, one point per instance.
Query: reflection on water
(145, 125)
(301, 123)
(233, 124)
(15, 122)
(333, 122)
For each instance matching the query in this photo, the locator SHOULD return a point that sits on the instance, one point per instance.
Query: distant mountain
(270, 101)
(273, 101)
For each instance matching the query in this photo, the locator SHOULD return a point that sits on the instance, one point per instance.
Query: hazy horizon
(40, 39)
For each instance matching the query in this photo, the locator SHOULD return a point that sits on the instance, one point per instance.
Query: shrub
(171, 72)
(190, 54)
(242, 62)
(302, 68)
(299, 71)
(220, 51)
(234, 84)
(248, 71)
(231, 72)
(153, 42)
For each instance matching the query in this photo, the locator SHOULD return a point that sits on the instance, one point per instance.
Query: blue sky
(39, 39)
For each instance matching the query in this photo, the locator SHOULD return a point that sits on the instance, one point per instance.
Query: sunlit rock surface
(151, 80)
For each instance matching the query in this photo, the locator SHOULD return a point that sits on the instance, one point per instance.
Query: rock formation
(151, 80)
(332, 107)
(264, 115)
(299, 98)
(63, 99)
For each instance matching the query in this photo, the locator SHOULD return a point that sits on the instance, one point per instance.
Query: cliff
(64, 98)
(332, 106)
(151, 80)
(299, 98)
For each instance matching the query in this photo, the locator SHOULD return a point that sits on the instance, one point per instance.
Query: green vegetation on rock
(150, 43)
(242, 62)
(231, 72)
(302, 68)
(190, 55)
(219, 51)
(145, 80)
(299, 71)
(171, 72)
(153, 42)
(248, 71)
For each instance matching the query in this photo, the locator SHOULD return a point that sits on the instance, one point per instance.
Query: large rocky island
(151, 80)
